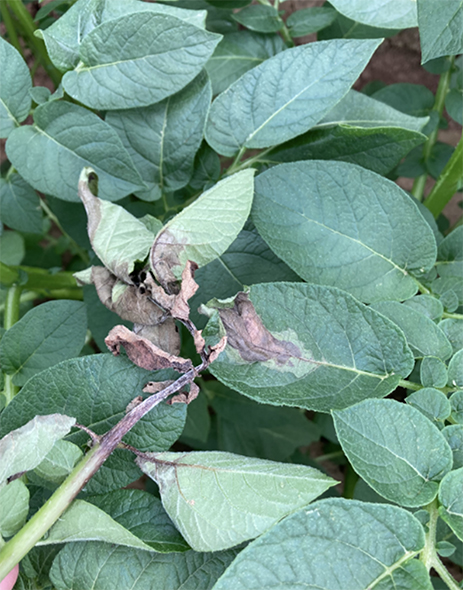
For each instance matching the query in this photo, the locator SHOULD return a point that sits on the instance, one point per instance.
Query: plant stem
(17, 547)
(286, 35)
(409, 385)
(442, 89)
(236, 163)
(36, 45)
(447, 183)
(11, 316)
(10, 28)
(455, 316)
(444, 574)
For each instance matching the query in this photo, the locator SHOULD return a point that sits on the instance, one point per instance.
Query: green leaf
(433, 372)
(432, 403)
(96, 390)
(428, 306)
(379, 149)
(143, 515)
(247, 261)
(63, 38)
(359, 110)
(333, 544)
(451, 498)
(415, 100)
(392, 14)
(129, 61)
(118, 238)
(85, 522)
(451, 247)
(12, 248)
(40, 94)
(286, 95)
(455, 377)
(395, 449)
(45, 336)
(103, 567)
(454, 104)
(218, 500)
(206, 168)
(456, 401)
(24, 448)
(35, 566)
(205, 229)
(324, 350)
(20, 205)
(346, 28)
(198, 422)
(59, 462)
(449, 290)
(441, 28)
(163, 139)
(237, 53)
(75, 137)
(453, 329)
(15, 102)
(310, 20)
(259, 18)
(453, 434)
(14, 506)
(423, 336)
(329, 235)
(255, 430)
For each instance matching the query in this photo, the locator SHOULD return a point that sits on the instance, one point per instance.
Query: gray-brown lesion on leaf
(183, 397)
(247, 334)
(164, 257)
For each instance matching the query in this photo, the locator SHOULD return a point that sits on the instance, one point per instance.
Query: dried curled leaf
(184, 397)
(214, 351)
(248, 335)
(144, 353)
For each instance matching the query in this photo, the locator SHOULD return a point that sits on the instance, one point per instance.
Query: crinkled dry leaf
(248, 335)
(200, 343)
(164, 256)
(144, 353)
(214, 351)
(164, 335)
(156, 386)
(185, 397)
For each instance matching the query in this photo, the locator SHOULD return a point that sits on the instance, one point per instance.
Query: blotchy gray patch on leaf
(164, 257)
(143, 352)
(247, 334)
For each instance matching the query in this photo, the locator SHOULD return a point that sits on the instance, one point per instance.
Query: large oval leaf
(218, 500)
(334, 544)
(137, 60)
(205, 229)
(309, 346)
(399, 452)
(65, 137)
(389, 14)
(15, 101)
(20, 205)
(337, 224)
(286, 95)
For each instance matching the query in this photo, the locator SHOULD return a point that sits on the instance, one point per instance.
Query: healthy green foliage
(194, 189)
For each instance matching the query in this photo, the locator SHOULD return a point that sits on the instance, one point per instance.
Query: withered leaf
(185, 397)
(164, 256)
(156, 386)
(164, 335)
(144, 353)
(214, 351)
(248, 335)
(200, 343)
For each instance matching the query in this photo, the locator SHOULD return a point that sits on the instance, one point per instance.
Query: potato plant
(212, 285)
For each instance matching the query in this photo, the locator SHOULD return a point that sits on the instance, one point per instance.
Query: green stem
(444, 574)
(236, 163)
(447, 183)
(11, 316)
(442, 89)
(329, 456)
(284, 31)
(36, 45)
(409, 385)
(455, 316)
(10, 28)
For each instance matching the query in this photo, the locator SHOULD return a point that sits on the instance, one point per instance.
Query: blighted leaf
(322, 219)
(286, 95)
(14, 507)
(144, 353)
(333, 544)
(24, 448)
(451, 498)
(142, 514)
(44, 336)
(203, 231)
(15, 101)
(137, 60)
(102, 566)
(217, 500)
(395, 449)
(306, 345)
(85, 522)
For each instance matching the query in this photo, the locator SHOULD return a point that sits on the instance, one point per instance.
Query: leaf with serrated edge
(24, 448)
(205, 229)
(389, 14)
(64, 138)
(346, 351)
(395, 449)
(334, 544)
(218, 500)
(15, 101)
(137, 60)
(322, 219)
